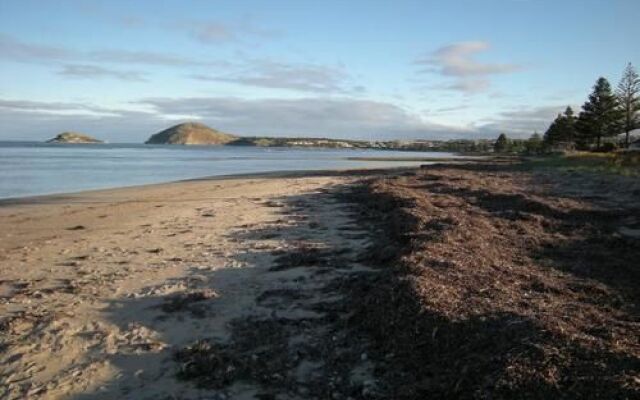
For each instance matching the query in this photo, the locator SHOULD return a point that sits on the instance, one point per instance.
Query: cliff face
(191, 133)
(73, 137)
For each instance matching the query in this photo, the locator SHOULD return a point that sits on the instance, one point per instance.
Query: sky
(360, 69)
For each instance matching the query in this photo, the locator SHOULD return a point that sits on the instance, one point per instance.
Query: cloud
(150, 58)
(81, 71)
(216, 32)
(53, 108)
(36, 120)
(468, 85)
(279, 75)
(521, 122)
(13, 49)
(449, 109)
(311, 117)
(212, 32)
(330, 117)
(303, 77)
(457, 62)
(16, 50)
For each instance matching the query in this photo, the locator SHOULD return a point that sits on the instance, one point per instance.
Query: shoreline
(84, 170)
(62, 196)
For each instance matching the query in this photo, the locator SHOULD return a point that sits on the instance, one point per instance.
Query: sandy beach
(325, 285)
(99, 289)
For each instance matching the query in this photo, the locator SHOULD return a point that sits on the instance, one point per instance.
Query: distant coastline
(194, 133)
(198, 134)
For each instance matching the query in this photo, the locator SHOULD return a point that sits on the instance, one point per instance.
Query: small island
(191, 133)
(73, 137)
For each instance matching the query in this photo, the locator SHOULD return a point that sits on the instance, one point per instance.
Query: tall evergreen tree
(600, 116)
(562, 129)
(553, 135)
(569, 125)
(501, 144)
(628, 93)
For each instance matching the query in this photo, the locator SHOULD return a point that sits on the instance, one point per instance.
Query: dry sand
(100, 290)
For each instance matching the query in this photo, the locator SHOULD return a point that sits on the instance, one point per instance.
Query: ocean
(31, 168)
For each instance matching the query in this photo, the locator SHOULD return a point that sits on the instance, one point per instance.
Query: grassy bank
(623, 163)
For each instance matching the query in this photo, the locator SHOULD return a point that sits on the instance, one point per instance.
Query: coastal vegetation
(605, 122)
(619, 163)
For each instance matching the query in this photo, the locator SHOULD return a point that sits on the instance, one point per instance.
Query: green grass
(619, 163)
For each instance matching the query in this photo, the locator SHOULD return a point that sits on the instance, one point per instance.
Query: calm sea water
(28, 168)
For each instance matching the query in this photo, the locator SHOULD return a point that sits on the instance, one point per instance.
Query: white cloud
(457, 61)
(13, 49)
(211, 32)
(521, 122)
(17, 50)
(326, 117)
(330, 117)
(280, 75)
(52, 108)
(311, 117)
(83, 71)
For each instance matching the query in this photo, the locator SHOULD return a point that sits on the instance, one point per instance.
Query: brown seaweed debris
(502, 285)
(307, 255)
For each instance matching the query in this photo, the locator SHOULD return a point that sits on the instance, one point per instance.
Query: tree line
(606, 114)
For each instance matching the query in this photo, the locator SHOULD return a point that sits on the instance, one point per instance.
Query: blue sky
(121, 70)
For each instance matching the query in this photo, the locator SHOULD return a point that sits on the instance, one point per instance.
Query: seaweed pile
(497, 283)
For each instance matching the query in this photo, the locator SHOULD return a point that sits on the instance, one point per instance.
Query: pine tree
(569, 125)
(628, 93)
(562, 129)
(600, 116)
(552, 135)
(501, 144)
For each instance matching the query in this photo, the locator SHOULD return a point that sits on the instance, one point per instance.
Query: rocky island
(73, 137)
(191, 133)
